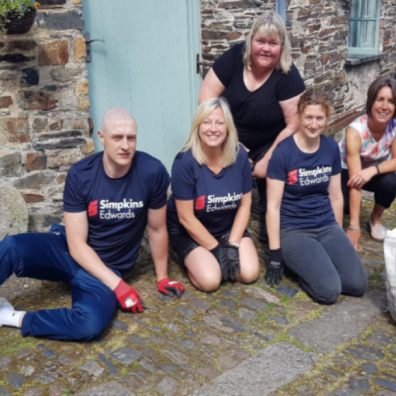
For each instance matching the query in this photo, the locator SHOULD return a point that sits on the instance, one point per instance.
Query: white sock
(8, 315)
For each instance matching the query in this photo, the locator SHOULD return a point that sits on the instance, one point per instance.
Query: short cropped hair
(270, 24)
(314, 97)
(375, 87)
(230, 146)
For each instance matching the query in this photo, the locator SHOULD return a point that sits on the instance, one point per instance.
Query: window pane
(363, 26)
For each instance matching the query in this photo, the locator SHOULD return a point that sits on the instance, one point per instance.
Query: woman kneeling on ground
(304, 212)
(368, 154)
(209, 209)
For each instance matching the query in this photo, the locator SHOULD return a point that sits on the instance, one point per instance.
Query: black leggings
(383, 186)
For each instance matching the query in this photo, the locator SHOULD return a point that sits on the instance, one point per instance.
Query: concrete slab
(262, 374)
(108, 389)
(340, 322)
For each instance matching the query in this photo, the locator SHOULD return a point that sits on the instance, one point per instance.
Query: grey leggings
(324, 261)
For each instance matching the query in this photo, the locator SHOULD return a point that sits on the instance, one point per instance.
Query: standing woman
(209, 209)
(304, 210)
(262, 86)
(368, 153)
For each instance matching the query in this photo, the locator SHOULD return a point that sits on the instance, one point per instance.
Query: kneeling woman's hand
(274, 271)
(228, 259)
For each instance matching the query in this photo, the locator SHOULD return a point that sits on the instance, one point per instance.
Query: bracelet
(353, 228)
(378, 169)
(234, 243)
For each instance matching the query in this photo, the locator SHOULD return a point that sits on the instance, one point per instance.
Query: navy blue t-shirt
(216, 196)
(116, 208)
(257, 114)
(305, 201)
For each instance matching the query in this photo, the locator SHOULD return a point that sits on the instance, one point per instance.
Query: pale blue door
(145, 64)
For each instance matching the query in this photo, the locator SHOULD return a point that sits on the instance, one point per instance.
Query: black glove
(274, 271)
(228, 259)
(233, 267)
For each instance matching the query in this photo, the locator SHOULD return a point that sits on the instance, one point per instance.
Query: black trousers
(383, 186)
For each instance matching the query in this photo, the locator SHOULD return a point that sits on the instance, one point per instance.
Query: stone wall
(44, 108)
(318, 32)
(44, 88)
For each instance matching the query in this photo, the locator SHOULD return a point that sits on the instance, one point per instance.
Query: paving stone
(167, 387)
(15, 380)
(390, 385)
(234, 324)
(33, 392)
(264, 337)
(369, 368)
(335, 326)
(257, 292)
(262, 374)
(46, 378)
(379, 339)
(65, 361)
(4, 361)
(147, 365)
(364, 352)
(27, 371)
(172, 327)
(186, 344)
(121, 325)
(93, 368)
(48, 353)
(176, 357)
(3, 392)
(126, 356)
(210, 340)
(361, 385)
(287, 290)
(135, 339)
(201, 305)
(108, 389)
(246, 314)
(110, 366)
(169, 368)
(229, 304)
(185, 311)
(279, 320)
(252, 303)
(215, 322)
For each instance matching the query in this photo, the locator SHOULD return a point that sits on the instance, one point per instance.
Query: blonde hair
(270, 24)
(230, 146)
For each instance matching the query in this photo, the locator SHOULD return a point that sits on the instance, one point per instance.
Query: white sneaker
(377, 231)
(5, 307)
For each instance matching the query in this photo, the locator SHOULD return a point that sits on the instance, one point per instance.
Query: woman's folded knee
(328, 294)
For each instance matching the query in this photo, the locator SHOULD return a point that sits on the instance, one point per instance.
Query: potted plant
(17, 16)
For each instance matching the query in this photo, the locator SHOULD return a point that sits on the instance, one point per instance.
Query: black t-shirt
(257, 115)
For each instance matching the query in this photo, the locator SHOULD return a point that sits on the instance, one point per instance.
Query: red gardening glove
(170, 288)
(128, 297)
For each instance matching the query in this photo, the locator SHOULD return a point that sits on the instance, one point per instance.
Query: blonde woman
(209, 209)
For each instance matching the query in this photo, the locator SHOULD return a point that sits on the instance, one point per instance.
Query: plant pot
(19, 24)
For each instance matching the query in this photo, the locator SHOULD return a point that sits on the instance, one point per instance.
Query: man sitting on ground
(109, 198)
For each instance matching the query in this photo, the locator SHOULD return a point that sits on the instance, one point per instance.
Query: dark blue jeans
(45, 256)
(324, 261)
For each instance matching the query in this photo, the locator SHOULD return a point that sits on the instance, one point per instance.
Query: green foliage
(16, 7)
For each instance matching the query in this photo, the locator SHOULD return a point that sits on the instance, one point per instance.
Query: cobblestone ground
(240, 340)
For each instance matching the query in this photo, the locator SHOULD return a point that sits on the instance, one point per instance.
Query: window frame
(357, 22)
